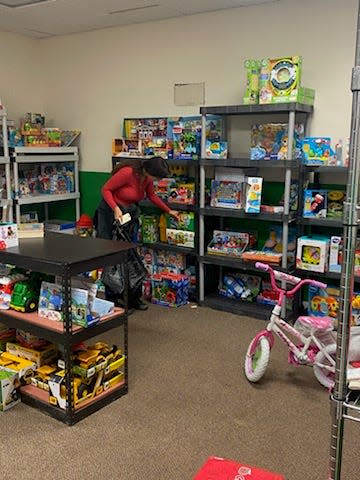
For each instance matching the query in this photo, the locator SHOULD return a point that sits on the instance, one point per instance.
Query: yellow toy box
(11, 363)
(39, 356)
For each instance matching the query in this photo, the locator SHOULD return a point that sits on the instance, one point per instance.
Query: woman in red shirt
(130, 181)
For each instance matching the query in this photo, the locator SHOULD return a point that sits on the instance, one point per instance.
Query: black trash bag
(113, 276)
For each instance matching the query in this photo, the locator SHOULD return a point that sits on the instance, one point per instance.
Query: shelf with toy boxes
(67, 256)
(43, 175)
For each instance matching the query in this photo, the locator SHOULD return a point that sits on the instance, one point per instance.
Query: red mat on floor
(216, 468)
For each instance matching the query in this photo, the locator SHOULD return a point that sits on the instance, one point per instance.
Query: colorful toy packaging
(269, 141)
(312, 253)
(9, 396)
(280, 80)
(335, 256)
(253, 194)
(170, 289)
(182, 238)
(186, 138)
(252, 81)
(240, 286)
(317, 150)
(274, 243)
(216, 150)
(149, 228)
(223, 469)
(186, 221)
(230, 243)
(182, 193)
(8, 235)
(268, 296)
(335, 203)
(315, 203)
(323, 302)
(226, 194)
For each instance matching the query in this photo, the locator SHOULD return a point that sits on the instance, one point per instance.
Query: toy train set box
(216, 468)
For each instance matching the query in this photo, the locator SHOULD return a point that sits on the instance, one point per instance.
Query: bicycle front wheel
(257, 358)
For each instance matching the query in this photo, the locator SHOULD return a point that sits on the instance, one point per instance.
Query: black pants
(104, 221)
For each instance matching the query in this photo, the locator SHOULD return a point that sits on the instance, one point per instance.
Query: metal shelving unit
(286, 166)
(36, 155)
(6, 203)
(67, 255)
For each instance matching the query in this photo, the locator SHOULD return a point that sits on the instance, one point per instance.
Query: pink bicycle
(314, 336)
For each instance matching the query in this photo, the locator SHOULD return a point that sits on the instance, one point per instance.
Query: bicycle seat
(319, 323)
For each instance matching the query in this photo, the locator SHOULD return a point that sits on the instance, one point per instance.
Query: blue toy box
(170, 289)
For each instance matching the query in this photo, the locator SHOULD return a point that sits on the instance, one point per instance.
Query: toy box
(251, 95)
(335, 203)
(261, 256)
(182, 238)
(268, 296)
(16, 364)
(240, 286)
(315, 204)
(6, 335)
(312, 253)
(316, 150)
(176, 262)
(280, 80)
(323, 302)
(163, 186)
(230, 243)
(216, 150)
(216, 468)
(38, 356)
(335, 255)
(185, 134)
(149, 228)
(226, 194)
(253, 194)
(170, 289)
(9, 396)
(274, 242)
(182, 193)
(8, 235)
(269, 141)
(186, 221)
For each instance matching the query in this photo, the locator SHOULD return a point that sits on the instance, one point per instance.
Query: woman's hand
(117, 213)
(174, 214)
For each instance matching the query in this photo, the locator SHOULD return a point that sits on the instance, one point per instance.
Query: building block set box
(216, 468)
(170, 289)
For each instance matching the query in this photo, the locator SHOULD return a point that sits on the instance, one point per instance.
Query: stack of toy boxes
(170, 289)
(181, 232)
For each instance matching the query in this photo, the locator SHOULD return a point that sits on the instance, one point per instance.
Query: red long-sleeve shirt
(127, 187)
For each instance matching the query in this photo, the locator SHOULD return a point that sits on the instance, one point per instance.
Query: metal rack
(23, 155)
(6, 203)
(342, 407)
(288, 166)
(67, 255)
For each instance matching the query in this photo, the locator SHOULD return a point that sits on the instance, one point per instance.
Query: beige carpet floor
(188, 399)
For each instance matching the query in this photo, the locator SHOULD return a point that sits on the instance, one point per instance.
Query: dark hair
(154, 166)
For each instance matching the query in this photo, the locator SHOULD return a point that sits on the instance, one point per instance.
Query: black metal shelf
(246, 162)
(323, 275)
(326, 169)
(238, 307)
(173, 206)
(322, 222)
(171, 161)
(61, 254)
(170, 248)
(257, 109)
(239, 213)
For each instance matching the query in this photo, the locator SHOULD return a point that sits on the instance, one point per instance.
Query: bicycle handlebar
(277, 275)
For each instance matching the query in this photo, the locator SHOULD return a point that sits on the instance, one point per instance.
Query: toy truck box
(216, 468)
(39, 356)
(9, 396)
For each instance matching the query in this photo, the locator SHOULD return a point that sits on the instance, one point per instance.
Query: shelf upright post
(66, 311)
(77, 188)
(9, 208)
(285, 233)
(17, 191)
(202, 205)
(350, 224)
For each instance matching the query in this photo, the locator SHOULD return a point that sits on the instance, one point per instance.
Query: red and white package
(216, 468)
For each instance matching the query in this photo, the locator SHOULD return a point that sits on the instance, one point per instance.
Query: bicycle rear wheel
(257, 358)
(326, 376)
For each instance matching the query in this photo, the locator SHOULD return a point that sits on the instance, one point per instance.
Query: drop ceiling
(47, 18)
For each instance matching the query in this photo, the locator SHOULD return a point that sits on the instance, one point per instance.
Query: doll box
(216, 468)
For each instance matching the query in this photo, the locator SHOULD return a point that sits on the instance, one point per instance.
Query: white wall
(21, 75)
(95, 79)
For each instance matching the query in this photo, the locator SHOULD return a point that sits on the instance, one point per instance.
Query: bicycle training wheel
(325, 376)
(257, 358)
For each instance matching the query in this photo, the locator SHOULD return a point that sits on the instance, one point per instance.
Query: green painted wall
(90, 188)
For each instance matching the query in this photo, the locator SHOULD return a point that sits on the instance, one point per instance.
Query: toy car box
(38, 356)
(216, 468)
(9, 396)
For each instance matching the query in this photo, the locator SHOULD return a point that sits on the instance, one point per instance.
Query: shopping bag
(216, 468)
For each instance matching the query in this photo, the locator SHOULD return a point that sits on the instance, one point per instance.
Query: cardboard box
(9, 396)
(216, 468)
(39, 357)
(9, 234)
(312, 253)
